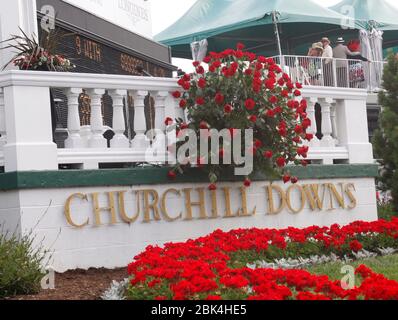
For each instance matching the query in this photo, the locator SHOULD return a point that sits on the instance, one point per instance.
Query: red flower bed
(214, 267)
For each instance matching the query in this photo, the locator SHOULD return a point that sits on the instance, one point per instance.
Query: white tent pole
(278, 39)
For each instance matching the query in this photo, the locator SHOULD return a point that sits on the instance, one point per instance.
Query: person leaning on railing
(357, 73)
(341, 52)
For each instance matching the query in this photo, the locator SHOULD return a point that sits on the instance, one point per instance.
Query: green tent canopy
(225, 22)
(376, 13)
(384, 15)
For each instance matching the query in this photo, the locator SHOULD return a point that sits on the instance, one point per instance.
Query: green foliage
(20, 266)
(382, 265)
(386, 211)
(386, 138)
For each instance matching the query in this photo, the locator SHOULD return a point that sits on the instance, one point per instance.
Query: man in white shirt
(327, 62)
(327, 50)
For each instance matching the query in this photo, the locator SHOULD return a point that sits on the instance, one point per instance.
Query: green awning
(226, 22)
(380, 11)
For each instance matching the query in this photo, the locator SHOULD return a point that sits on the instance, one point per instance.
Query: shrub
(242, 91)
(20, 265)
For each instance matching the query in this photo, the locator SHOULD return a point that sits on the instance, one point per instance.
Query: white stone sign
(133, 15)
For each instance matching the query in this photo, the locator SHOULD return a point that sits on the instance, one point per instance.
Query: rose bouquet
(242, 91)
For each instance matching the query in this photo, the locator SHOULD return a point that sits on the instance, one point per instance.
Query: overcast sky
(166, 12)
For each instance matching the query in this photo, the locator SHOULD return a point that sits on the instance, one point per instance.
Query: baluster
(74, 140)
(119, 124)
(333, 116)
(140, 141)
(160, 116)
(311, 115)
(3, 132)
(97, 139)
(327, 140)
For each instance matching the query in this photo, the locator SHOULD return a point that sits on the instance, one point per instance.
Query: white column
(352, 125)
(16, 14)
(3, 130)
(311, 115)
(74, 140)
(160, 109)
(29, 131)
(335, 132)
(119, 124)
(140, 141)
(97, 139)
(327, 140)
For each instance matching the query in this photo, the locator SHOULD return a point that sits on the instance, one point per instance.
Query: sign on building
(132, 15)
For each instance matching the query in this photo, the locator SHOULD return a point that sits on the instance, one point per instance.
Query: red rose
(168, 121)
(228, 108)
(177, 94)
(270, 84)
(219, 98)
(202, 83)
(247, 183)
(270, 113)
(297, 93)
(207, 59)
(213, 187)
(258, 144)
(196, 64)
(253, 118)
(299, 85)
(186, 86)
(309, 136)
(298, 129)
(200, 70)
(286, 178)
(240, 46)
(281, 162)
(183, 103)
(204, 125)
(172, 175)
(273, 99)
(200, 101)
(248, 72)
(187, 77)
(268, 154)
(250, 104)
(294, 180)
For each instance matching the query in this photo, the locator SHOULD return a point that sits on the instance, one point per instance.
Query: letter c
(68, 213)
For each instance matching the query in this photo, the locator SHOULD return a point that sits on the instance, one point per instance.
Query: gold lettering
(289, 200)
(164, 206)
(243, 212)
(271, 203)
(312, 193)
(214, 207)
(227, 198)
(349, 189)
(68, 212)
(189, 204)
(122, 207)
(151, 207)
(98, 209)
(333, 194)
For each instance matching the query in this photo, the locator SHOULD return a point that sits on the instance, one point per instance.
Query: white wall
(113, 246)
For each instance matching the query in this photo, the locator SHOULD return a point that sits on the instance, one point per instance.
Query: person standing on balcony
(327, 61)
(341, 53)
(357, 72)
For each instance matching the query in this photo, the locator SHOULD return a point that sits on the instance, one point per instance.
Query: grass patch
(388, 266)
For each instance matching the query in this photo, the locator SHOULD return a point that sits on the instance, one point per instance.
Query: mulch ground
(79, 285)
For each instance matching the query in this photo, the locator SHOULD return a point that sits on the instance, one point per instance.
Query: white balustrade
(140, 142)
(97, 139)
(74, 140)
(119, 124)
(343, 126)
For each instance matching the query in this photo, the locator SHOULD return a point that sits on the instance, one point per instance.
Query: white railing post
(119, 124)
(160, 116)
(3, 130)
(30, 145)
(327, 129)
(334, 70)
(140, 141)
(333, 116)
(74, 140)
(97, 139)
(311, 102)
